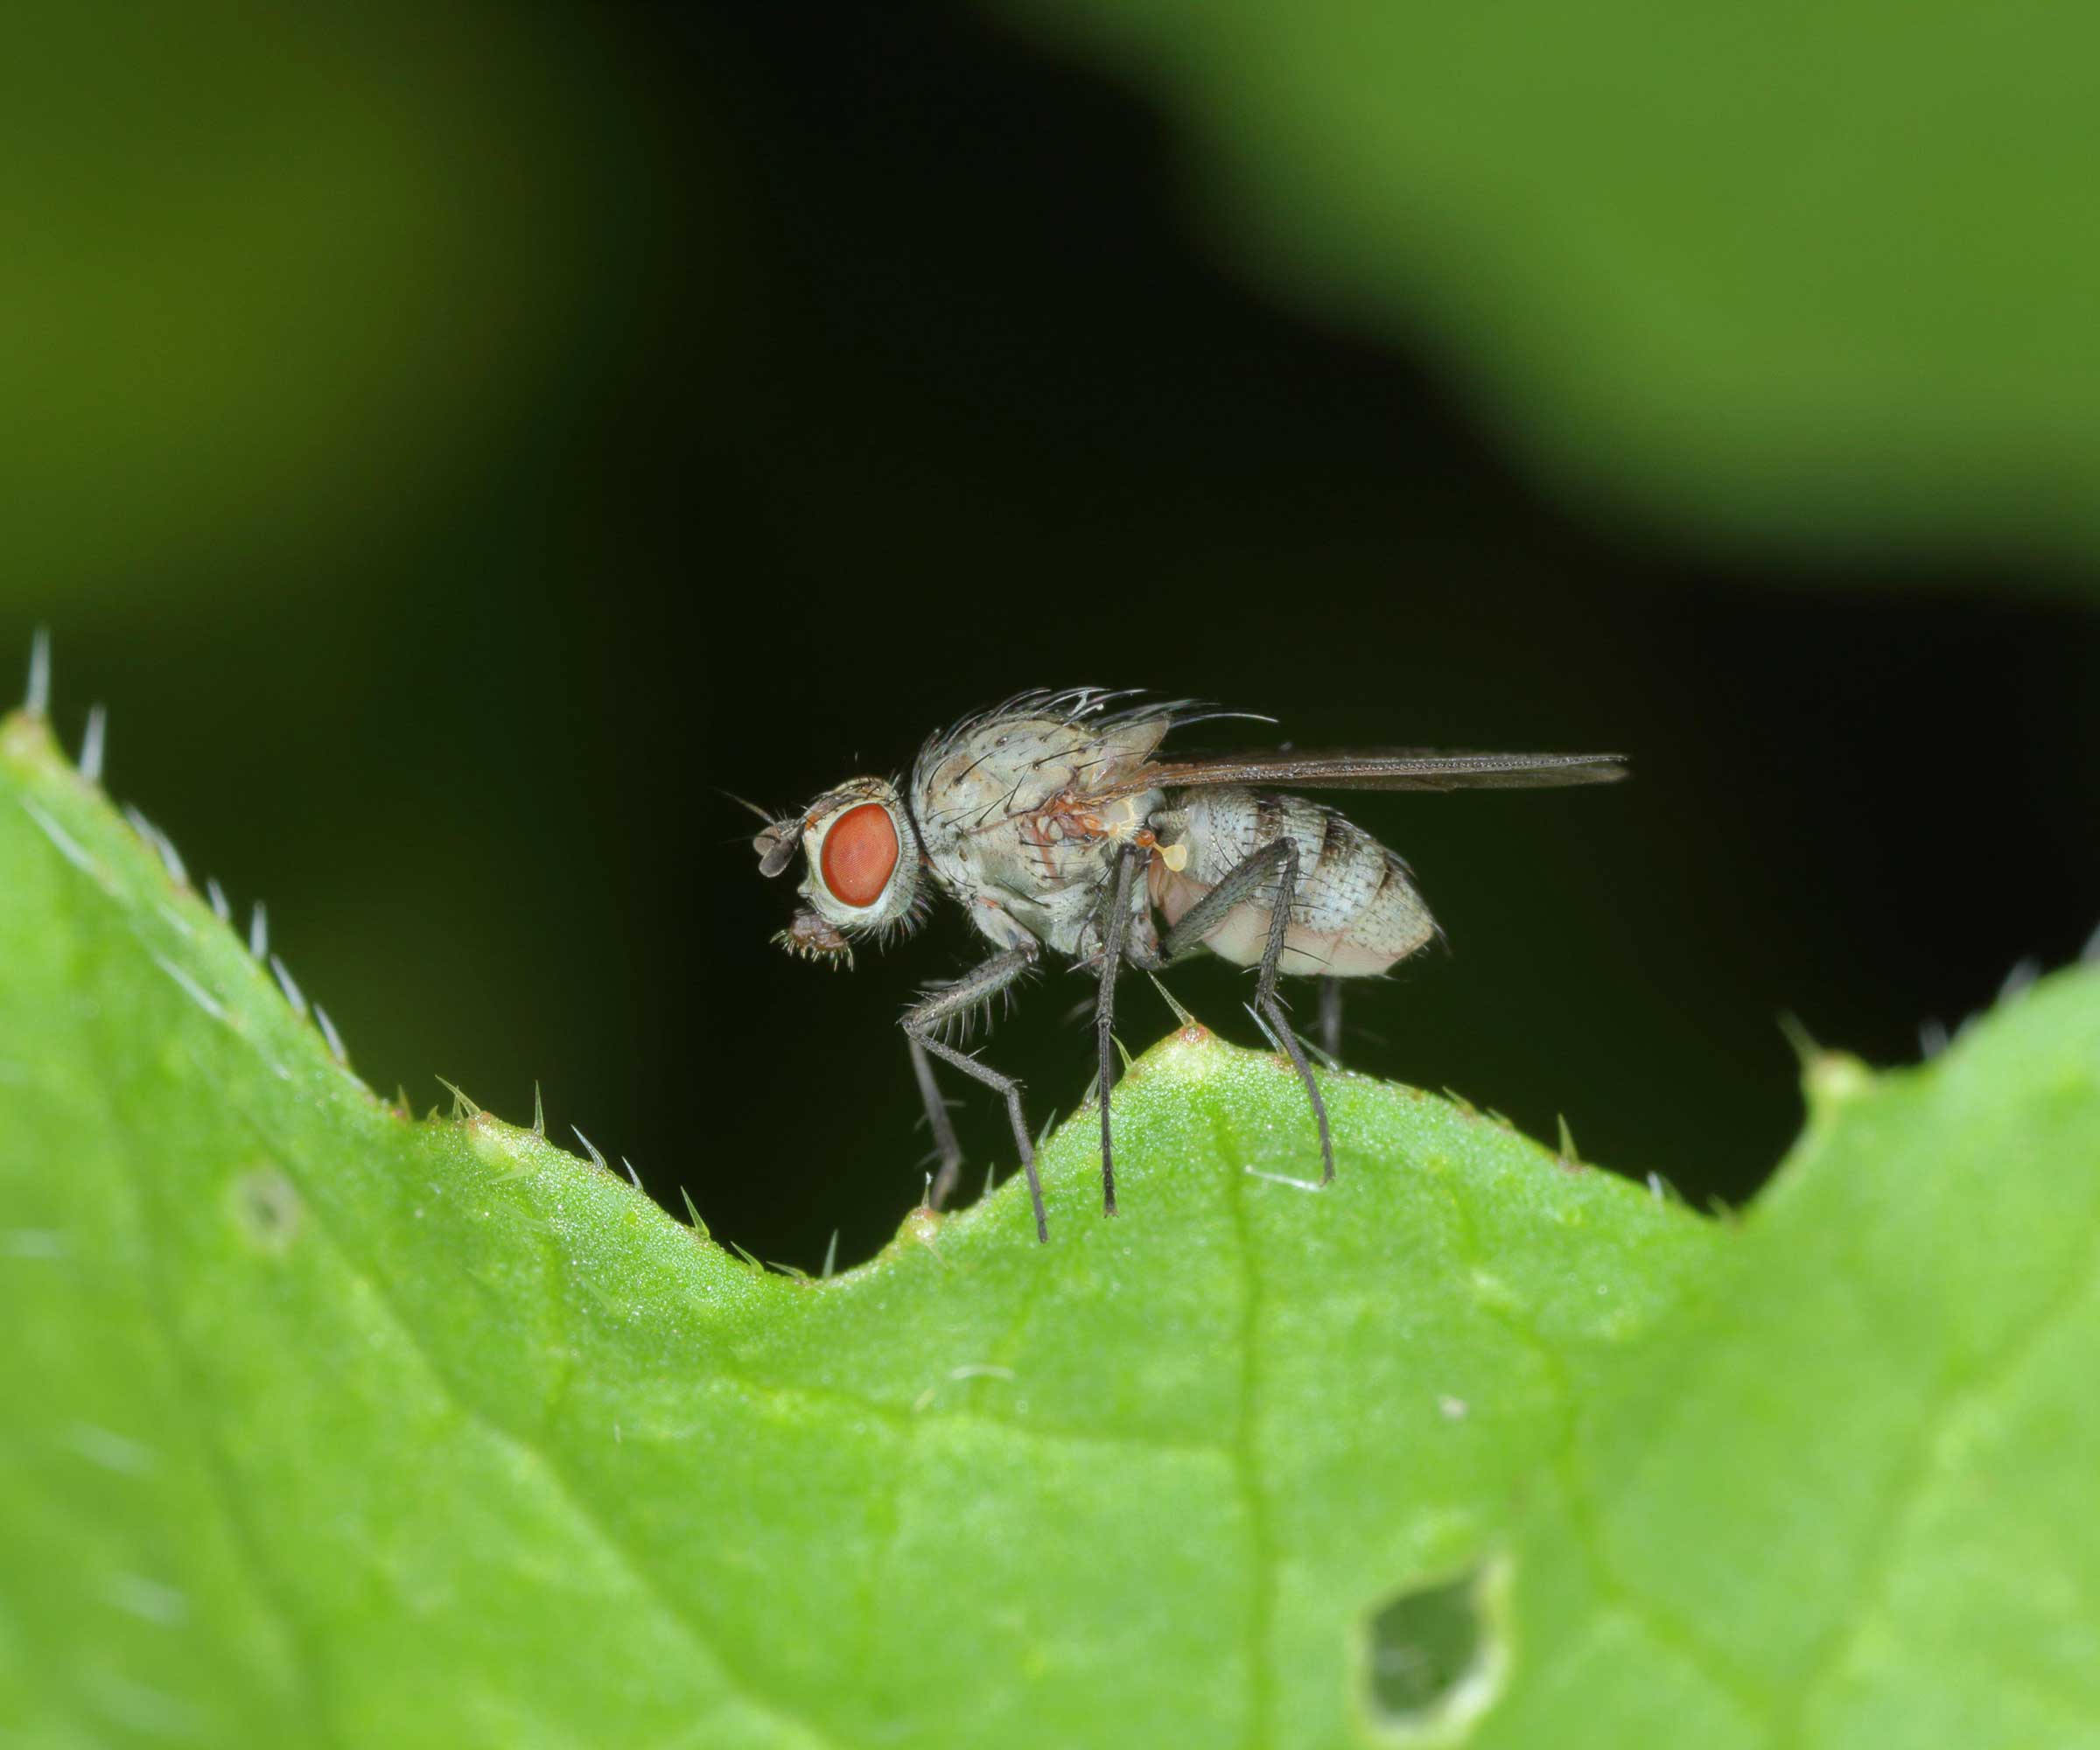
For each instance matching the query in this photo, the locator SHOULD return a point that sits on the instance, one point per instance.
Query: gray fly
(1055, 822)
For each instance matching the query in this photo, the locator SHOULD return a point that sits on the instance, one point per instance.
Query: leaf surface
(330, 1426)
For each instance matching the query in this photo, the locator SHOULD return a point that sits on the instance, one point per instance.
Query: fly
(1056, 824)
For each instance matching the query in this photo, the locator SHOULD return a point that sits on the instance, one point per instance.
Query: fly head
(861, 875)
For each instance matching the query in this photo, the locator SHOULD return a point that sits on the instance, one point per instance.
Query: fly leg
(1112, 935)
(922, 1021)
(1264, 1000)
(1330, 1018)
(1240, 884)
(1279, 858)
(937, 1121)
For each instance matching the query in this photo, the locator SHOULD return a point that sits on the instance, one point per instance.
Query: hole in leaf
(1435, 1656)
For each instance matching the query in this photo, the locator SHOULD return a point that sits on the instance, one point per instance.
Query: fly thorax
(1020, 813)
(1000, 770)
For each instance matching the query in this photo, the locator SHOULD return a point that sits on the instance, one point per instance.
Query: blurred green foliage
(274, 276)
(1817, 276)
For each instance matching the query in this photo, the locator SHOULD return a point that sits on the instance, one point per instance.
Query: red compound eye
(860, 851)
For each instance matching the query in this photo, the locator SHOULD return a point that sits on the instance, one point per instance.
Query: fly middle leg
(1276, 861)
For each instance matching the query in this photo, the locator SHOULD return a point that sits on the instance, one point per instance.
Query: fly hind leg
(921, 1024)
(1240, 885)
(1114, 931)
(1265, 1002)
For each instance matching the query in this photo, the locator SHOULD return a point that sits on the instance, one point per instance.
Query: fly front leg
(1278, 860)
(921, 1024)
(937, 1121)
(1113, 933)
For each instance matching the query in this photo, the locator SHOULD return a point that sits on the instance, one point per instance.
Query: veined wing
(1390, 768)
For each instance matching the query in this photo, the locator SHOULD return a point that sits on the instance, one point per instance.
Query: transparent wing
(1390, 768)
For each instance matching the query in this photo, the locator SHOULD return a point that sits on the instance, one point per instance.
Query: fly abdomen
(1354, 912)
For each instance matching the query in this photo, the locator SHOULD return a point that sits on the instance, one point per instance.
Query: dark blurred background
(455, 442)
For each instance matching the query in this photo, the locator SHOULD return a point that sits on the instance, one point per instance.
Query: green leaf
(433, 1428)
(327, 1425)
(1823, 273)
(1845, 1497)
